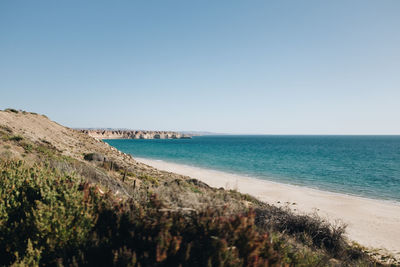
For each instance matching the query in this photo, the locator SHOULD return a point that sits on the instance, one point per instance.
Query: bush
(40, 211)
(49, 218)
(310, 230)
(94, 157)
(152, 236)
(12, 110)
(27, 147)
(16, 138)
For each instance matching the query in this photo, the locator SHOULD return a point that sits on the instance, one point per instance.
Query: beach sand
(371, 223)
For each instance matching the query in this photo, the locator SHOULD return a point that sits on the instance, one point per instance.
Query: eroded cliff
(134, 134)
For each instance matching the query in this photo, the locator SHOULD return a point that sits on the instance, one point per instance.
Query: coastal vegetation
(57, 219)
(67, 199)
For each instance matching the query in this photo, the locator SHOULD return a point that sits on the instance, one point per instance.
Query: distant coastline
(134, 134)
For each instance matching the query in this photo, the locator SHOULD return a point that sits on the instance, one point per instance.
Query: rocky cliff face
(128, 134)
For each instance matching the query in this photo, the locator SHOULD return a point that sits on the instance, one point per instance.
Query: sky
(244, 67)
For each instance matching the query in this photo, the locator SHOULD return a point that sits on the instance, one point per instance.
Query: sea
(366, 166)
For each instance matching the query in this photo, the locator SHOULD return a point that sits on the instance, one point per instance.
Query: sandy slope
(372, 223)
(70, 142)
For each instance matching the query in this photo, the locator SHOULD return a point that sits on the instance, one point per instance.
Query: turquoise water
(367, 166)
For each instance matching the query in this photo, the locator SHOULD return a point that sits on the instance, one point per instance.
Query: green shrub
(94, 157)
(45, 150)
(194, 189)
(42, 209)
(16, 138)
(12, 110)
(49, 218)
(148, 178)
(27, 147)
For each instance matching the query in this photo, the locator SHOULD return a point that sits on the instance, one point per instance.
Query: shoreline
(372, 223)
(268, 181)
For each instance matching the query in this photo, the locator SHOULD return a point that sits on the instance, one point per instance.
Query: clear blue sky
(266, 67)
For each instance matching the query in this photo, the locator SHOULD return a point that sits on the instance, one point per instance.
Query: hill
(70, 199)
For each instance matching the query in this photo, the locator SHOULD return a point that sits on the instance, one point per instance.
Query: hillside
(125, 213)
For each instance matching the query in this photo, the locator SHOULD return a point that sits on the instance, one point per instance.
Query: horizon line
(211, 133)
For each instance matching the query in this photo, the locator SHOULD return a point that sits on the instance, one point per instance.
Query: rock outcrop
(132, 134)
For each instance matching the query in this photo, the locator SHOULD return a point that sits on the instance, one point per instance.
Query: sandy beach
(371, 223)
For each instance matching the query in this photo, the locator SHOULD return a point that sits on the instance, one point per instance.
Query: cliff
(132, 134)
